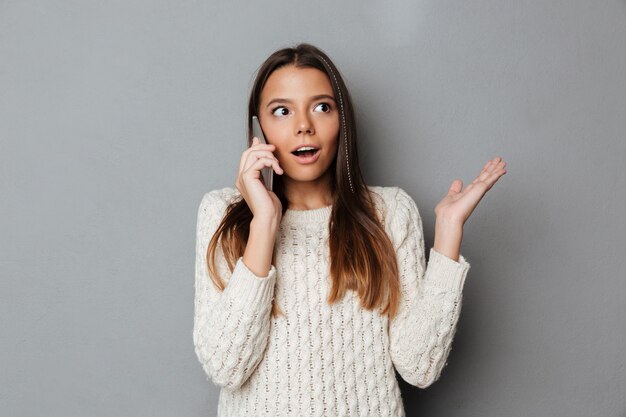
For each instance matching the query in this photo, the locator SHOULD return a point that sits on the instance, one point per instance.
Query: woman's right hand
(263, 203)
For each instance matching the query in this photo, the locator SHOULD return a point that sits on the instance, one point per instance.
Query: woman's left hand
(458, 205)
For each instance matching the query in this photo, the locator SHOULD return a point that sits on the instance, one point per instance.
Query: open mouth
(306, 154)
(307, 157)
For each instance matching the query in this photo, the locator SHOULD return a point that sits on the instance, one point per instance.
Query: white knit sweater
(321, 359)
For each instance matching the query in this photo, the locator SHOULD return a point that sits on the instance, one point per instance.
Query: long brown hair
(368, 263)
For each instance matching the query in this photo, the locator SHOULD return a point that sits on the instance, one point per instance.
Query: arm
(231, 328)
(260, 247)
(448, 237)
(422, 332)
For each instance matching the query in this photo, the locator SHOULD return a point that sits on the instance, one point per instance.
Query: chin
(304, 177)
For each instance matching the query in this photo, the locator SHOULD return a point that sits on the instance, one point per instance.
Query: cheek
(273, 135)
(278, 138)
(334, 148)
(330, 130)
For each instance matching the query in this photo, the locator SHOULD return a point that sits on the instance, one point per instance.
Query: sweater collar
(317, 215)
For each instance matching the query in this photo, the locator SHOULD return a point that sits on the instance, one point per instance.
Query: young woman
(308, 297)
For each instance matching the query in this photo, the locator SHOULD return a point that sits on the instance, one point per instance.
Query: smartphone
(268, 172)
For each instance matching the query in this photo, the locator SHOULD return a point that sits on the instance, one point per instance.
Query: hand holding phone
(263, 202)
(268, 172)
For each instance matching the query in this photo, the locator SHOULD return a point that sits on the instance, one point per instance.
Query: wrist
(448, 237)
(267, 225)
(448, 222)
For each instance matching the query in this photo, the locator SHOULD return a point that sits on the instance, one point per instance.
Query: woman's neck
(308, 195)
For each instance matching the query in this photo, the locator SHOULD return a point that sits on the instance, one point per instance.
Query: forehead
(293, 82)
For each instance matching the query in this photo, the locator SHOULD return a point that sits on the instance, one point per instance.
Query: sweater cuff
(446, 273)
(246, 290)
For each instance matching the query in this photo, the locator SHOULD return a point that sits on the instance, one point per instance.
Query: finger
(261, 146)
(491, 167)
(490, 162)
(481, 177)
(275, 165)
(499, 163)
(256, 154)
(499, 173)
(455, 187)
(244, 155)
(486, 168)
(253, 148)
(497, 168)
(265, 162)
(255, 165)
(248, 160)
(262, 151)
(487, 179)
(262, 161)
(256, 141)
(491, 180)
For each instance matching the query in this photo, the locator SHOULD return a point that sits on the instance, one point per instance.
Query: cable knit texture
(321, 359)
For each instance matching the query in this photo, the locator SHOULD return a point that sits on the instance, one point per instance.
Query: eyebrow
(286, 100)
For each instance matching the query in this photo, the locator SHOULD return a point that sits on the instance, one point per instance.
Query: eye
(324, 106)
(280, 111)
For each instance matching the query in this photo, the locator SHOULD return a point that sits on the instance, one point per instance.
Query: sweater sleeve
(422, 332)
(231, 327)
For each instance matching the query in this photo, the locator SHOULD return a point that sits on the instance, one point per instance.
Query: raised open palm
(459, 203)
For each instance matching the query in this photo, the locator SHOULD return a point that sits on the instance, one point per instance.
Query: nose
(304, 125)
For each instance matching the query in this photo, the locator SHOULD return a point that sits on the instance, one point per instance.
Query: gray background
(116, 118)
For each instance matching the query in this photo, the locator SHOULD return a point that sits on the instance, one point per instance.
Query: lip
(306, 160)
(310, 145)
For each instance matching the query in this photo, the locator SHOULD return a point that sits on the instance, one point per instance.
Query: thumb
(455, 187)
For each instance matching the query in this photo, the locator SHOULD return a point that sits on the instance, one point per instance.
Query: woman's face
(297, 107)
